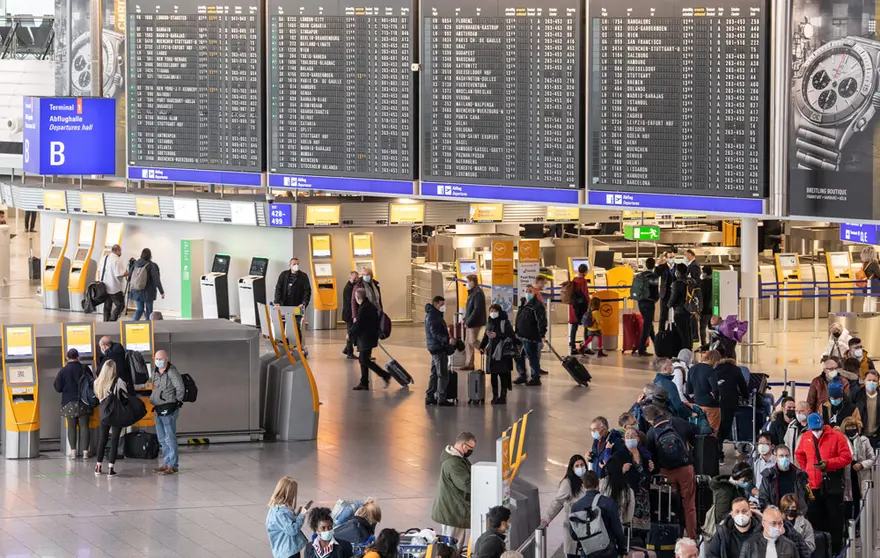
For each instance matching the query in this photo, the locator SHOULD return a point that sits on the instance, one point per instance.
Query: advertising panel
(502, 274)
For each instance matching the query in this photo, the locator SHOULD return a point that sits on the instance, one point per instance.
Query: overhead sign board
(322, 215)
(641, 232)
(280, 215)
(858, 232)
(486, 212)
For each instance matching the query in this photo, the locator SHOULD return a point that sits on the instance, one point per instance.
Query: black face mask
(468, 453)
(851, 433)
(836, 334)
(790, 413)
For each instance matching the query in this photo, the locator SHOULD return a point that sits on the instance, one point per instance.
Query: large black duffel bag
(121, 412)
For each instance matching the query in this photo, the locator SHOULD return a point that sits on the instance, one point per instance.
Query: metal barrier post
(791, 387)
(785, 315)
(867, 521)
(540, 544)
(772, 320)
(816, 313)
(849, 303)
(549, 321)
(851, 530)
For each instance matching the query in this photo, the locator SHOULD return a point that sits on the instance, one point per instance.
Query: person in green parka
(452, 504)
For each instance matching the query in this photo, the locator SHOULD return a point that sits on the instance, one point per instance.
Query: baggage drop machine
(82, 267)
(80, 336)
(788, 272)
(362, 252)
(21, 394)
(324, 292)
(840, 279)
(56, 268)
(252, 292)
(215, 289)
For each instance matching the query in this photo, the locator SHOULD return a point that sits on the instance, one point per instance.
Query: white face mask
(580, 471)
(368, 278)
(858, 353)
(326, 535)
(442, 309)
(774, 533)
(801, 417)
(763, 449)
(742, 519)
(493, 315)
(294, 268)
(831, 374)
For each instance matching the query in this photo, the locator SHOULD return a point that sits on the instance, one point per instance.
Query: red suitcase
(632, 331)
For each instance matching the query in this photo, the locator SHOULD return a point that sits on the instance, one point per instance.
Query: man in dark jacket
(606, 442)
(677, 298)
(437, 340)
(663, 379)
(702, 387)
(67, 384)
(491, 543)
(760, 543)
(365, 330)
(647, 306)
(838, 407)
(707, 310)
(531, 327)
(347, 315)
(474, 319)
(111, 350)
(784, 478)
(781, 419)
(294, 289)
(734, 531)
(731, 387)
(865, 398)
(693, 268)
(665, 273)
(610, 516)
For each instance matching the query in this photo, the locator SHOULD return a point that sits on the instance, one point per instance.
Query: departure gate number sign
(280, 215)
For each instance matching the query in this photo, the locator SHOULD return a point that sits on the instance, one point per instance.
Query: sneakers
(534, 382)
(169, 471)
(602, 353)
(160, 469)
(519, 381)
(111, 473)
(445, 403)
(360, 387)
(98, 471)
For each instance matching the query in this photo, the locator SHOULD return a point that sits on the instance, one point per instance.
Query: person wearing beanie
(824, 454)
(838, 407)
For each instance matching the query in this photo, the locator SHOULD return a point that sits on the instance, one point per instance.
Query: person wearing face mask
(859, 471)
(797, 427)
(637, 468)
(437, 340)
(763, 457)
(111, 350)
(771, 542)
(365, 330)
(491, 544)
(665, 273)
(838, 407)
(859, 353)
(866, 400)
(727, 488)
(570, 490)
(824, 455)
(371, 287)
(781, 419)
(347, 314)
(838, 341)
(531, 328)
(166, 398)
(677, 297)
(324, 544)
(797, 524)
(452, 502)
(293, 288)
(498, 341)
(733, 532)
(474, 318)
(605, 443)
(706, 311)
(784, 478)
(818, 392)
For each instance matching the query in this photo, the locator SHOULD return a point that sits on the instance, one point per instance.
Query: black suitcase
(704, 497)
(663, 534)
(477, 384)
(35, 268)
(575, 369)
(706, 456)
(667, 342)
(141, 445)
(664, 508)
(398, 372)
(823, 545)
(743, 428)
(452, 386)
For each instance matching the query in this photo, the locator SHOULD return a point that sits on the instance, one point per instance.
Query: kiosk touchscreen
(112, 236)
(80, 336)
(21, 401)
(325, 300)
(252, 291)
(362, 252)
(82, 267)
(788, 271)
(840, 271)
(463, 268)
(56, 268)
(138, 336)
(215, 289)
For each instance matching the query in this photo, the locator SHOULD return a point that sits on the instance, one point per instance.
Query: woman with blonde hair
(871, 272)
(358, 529)
(859, 471)
(106, 384)
(284, 522)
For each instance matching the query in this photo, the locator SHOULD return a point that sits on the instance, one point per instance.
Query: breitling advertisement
(73, 76)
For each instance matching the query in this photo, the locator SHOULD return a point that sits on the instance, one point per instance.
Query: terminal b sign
(641, 232)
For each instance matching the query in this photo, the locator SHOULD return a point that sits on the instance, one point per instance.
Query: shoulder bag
(832, 481)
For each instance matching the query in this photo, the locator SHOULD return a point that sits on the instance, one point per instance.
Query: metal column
(749, 287)
(780, 90)
(96, 36)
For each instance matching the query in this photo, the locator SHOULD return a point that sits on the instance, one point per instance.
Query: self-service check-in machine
(252, 291)
(463, 268)
(21, 401)
(788, 272)
(80, 336)
(840, 277)
(82, 267)
(362, 252)
(138, 336)
(56, 268)
(291, 394)
(112, 236)
(215, 289)
(767, 279)
(325, 301)
(271, 332)
(595, 276)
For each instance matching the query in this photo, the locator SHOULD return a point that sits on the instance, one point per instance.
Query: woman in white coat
(838, 341)
(863, 457)
(571, 489)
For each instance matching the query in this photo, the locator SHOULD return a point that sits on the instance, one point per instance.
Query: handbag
(833, 481)
(121, 412)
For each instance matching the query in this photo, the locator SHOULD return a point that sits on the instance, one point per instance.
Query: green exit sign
(641, 232)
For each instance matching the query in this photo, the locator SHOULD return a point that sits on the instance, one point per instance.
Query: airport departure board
(501, 92)
(195, 93)
(677, 102)
(341, 88)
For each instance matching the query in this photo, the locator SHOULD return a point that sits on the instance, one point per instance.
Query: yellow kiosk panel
(138, 337)
(839, 266)
(362, 245)
(563, 213)
(407, 214)
(19, 342)
(321, 246)
(54, 200)
(788, 270)
(322, 215)
(79, 337)
(146, 206)
(486, 212)
(114, 234)
(93, 204)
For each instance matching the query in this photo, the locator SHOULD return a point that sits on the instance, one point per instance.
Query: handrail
(539, 539)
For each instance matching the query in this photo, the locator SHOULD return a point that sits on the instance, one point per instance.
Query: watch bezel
(863, 95)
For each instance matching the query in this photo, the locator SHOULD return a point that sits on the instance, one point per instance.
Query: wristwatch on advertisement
(836, 96)
(81, 63)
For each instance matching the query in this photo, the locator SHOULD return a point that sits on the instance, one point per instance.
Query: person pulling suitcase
(365, 331)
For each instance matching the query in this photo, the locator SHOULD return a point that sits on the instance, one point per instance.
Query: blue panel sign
(69, 135)
(337, 184)
(499, 193)
(856, 232)
(280, 215)
(624, 200)
(159, 174)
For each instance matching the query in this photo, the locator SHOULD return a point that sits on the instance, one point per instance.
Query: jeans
(365, 358)
(439, 381)
(531, 351)
(572, 335)
(144, 308)
(166, 431)
(83, 423)
(113, 306)
(113, 434)
(646, 309)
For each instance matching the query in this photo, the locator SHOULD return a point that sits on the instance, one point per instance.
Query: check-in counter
(222, 356)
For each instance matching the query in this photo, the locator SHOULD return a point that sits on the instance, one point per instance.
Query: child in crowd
(593, 325)
(284, 522)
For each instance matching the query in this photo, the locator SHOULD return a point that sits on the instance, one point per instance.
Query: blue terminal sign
(69, 135)
(624, 200)
(280, 215)
(856, 232)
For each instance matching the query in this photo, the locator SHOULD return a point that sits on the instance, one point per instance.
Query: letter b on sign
(56, 153)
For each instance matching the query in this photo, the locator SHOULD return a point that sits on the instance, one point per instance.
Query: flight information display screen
(677, 102)
(501, 92)
(195, 91)
(341, 89)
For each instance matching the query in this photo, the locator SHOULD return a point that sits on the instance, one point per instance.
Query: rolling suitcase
(635, 551)
(706, 456)
(574, 368)
(667, 342)
(662, 506)
(477, 384)
(704, 497)
(397, 371)
(632, 331)
(663, 534)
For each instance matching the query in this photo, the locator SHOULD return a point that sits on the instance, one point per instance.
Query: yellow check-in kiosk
(788, 271)
(56, 268)
(325, 301)
(82, 267)
(575, 262)
(272, 339)
(214, 287)
(81, 336)
(840, 271)
(138, 336)
(252, 292)
(112, 236)
(21, 401)
(362, 252)
(463, 268)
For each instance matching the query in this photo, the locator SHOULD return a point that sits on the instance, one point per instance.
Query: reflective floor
(383, 443)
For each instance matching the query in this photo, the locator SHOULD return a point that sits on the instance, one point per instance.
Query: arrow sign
(641, 232)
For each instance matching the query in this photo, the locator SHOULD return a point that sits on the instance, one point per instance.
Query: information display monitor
(576, 263)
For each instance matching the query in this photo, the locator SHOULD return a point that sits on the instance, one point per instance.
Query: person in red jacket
(574, 320)
(824, 454)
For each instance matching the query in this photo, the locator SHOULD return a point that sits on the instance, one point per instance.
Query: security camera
(270, 197)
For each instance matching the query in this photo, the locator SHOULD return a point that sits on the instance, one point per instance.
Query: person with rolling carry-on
(474, 318)
(665, 274)
(365, 331)
(593, 325)
(646, 292)
(531, 329)
(731, 387)
(438, 341)
(347, 315)
(577, 293)
(476, 381)
(594, 523)
(663, 534)
(574, 367)
(502, 345)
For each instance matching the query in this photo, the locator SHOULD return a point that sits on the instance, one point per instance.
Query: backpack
(588, 529)
(137, 366)
(693, 298)
(641, 288)
(566, 291)
(671, 450)
(587, 319)
(87, 391)
(190, 390)
(139, 278)
(580, 304)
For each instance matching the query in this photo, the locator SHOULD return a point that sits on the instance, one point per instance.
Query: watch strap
(817, 148)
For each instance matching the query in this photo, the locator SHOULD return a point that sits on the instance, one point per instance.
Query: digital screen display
(322, 215)
(259, 266)
(186, 210)
(221, 264)
(81, 254)
(341, 88)
(91, 203)
(576, 263)
(406, 214)
(467, 267)
(321, 246)
(788, 261)
(243, 213)
(677, 102)
(323, 269)
(147, 206)
(500, 93)
(840, 261)
(54, 253)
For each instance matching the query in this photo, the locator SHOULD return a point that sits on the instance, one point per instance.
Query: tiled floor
(384, 444)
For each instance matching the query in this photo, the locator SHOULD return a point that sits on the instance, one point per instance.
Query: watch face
(836, 82)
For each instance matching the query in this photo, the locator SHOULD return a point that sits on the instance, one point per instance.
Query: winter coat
(665, 277)
(805, 530)
(154, 282)
(168, 387)
(452, 503)
(818, 393)
(778, 426)
(489, 545)
(116, 353)
(693, 270)
(475, 308)
(284, 528)
(702, 385)
(580, 284)
(503, 329)
(863, 453)
(436, 332)
(298, 293)
(834, 416)
(600, 454)
(531, 320)
(793, 435)
(675, 404)
(355, 530)
(723, 495)
(347, 295)
(677, 297)
(728, 541)
(372, 290)
(562, 503)
(365, 330)
(838, 346)
(768, 495)
(833, 447)
(861, 400)
(67, 380)
(756, 547)
(865, 363)
(731, 385)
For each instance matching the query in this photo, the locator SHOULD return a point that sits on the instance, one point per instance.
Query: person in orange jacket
(824, 454)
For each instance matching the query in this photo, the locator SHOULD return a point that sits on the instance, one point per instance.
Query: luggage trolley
(744, 431)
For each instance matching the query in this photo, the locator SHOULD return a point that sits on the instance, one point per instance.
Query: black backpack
(579, 303)
(693, 298)
(137, 366)
(87, 391)
(190, 391)
(671, 450)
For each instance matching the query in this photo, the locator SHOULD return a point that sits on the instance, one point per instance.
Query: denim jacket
(284, 528)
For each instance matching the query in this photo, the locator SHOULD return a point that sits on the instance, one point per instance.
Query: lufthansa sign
(69, 135)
